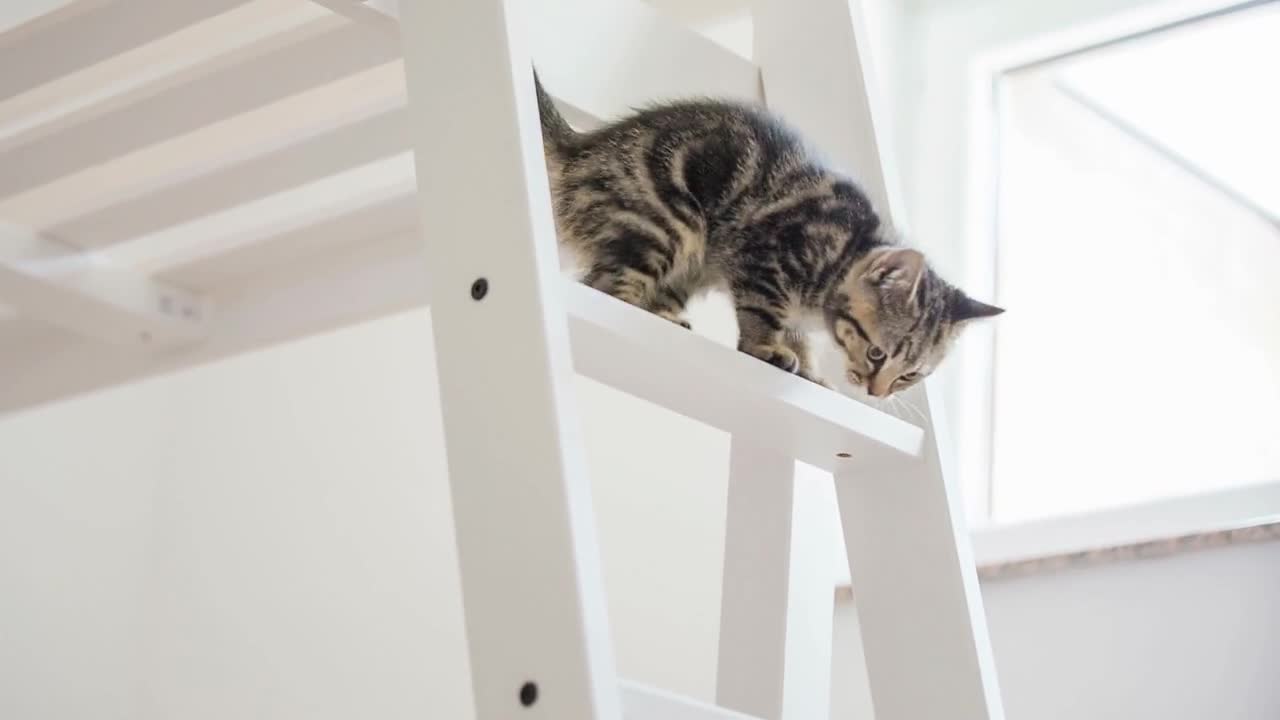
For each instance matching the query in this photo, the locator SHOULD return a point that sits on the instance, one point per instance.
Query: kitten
(682, 197)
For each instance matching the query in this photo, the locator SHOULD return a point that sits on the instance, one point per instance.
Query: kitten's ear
(897, 268)
(966, 308)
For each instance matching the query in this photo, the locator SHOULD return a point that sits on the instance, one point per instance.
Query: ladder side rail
(777, 601)
(755, 584)
(915, 585)
(521, 500)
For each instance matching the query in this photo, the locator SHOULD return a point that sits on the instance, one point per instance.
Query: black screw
(479, 289)
(528, 694)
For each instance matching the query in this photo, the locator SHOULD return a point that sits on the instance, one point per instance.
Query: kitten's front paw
(675, 318)
(780, 357)
(815, 379)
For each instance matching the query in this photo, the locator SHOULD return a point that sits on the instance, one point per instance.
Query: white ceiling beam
(370, 131)
(380, 14)
(365, 192)
(86, 32)
(333, 146)
(175, 58)
(283, 65)
(329, 291)
(621, 38)
(79, 292)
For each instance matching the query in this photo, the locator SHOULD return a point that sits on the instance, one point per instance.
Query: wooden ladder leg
(536, 623)
(915, 587)
(777, 602)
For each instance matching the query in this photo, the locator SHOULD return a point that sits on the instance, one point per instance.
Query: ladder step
(652, 358)
(645, 703)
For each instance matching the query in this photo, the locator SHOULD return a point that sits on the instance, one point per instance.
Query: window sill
(1156, 529)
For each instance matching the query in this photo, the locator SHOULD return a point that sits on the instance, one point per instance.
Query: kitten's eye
(875, 354)
(909, 377)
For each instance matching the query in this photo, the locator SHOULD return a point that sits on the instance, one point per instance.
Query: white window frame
(995, 543)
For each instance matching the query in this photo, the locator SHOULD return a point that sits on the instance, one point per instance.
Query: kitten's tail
(556, 132)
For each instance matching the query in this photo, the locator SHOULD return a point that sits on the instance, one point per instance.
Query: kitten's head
(895, 318)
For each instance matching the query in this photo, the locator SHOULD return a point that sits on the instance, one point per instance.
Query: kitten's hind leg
(624, 283)
(669, 304)
(640, 288)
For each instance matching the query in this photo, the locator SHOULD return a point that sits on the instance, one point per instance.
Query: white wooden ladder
(117, 183)
(521, 500)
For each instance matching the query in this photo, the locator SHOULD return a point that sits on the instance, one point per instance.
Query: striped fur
(682, 197)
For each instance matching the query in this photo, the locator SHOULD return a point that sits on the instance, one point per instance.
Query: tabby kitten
(682, 197)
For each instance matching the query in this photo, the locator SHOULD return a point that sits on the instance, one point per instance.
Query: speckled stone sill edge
(1134, 551)
(1121, 553)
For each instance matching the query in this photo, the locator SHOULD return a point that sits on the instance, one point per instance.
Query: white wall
(271, 537)
(1186, 637)
(74, 537)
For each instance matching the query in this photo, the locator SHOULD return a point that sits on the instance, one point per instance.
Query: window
(1137, 227)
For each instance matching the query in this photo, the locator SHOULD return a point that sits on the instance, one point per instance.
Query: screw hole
(479, 289)
(843, 455)
(528, 694)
